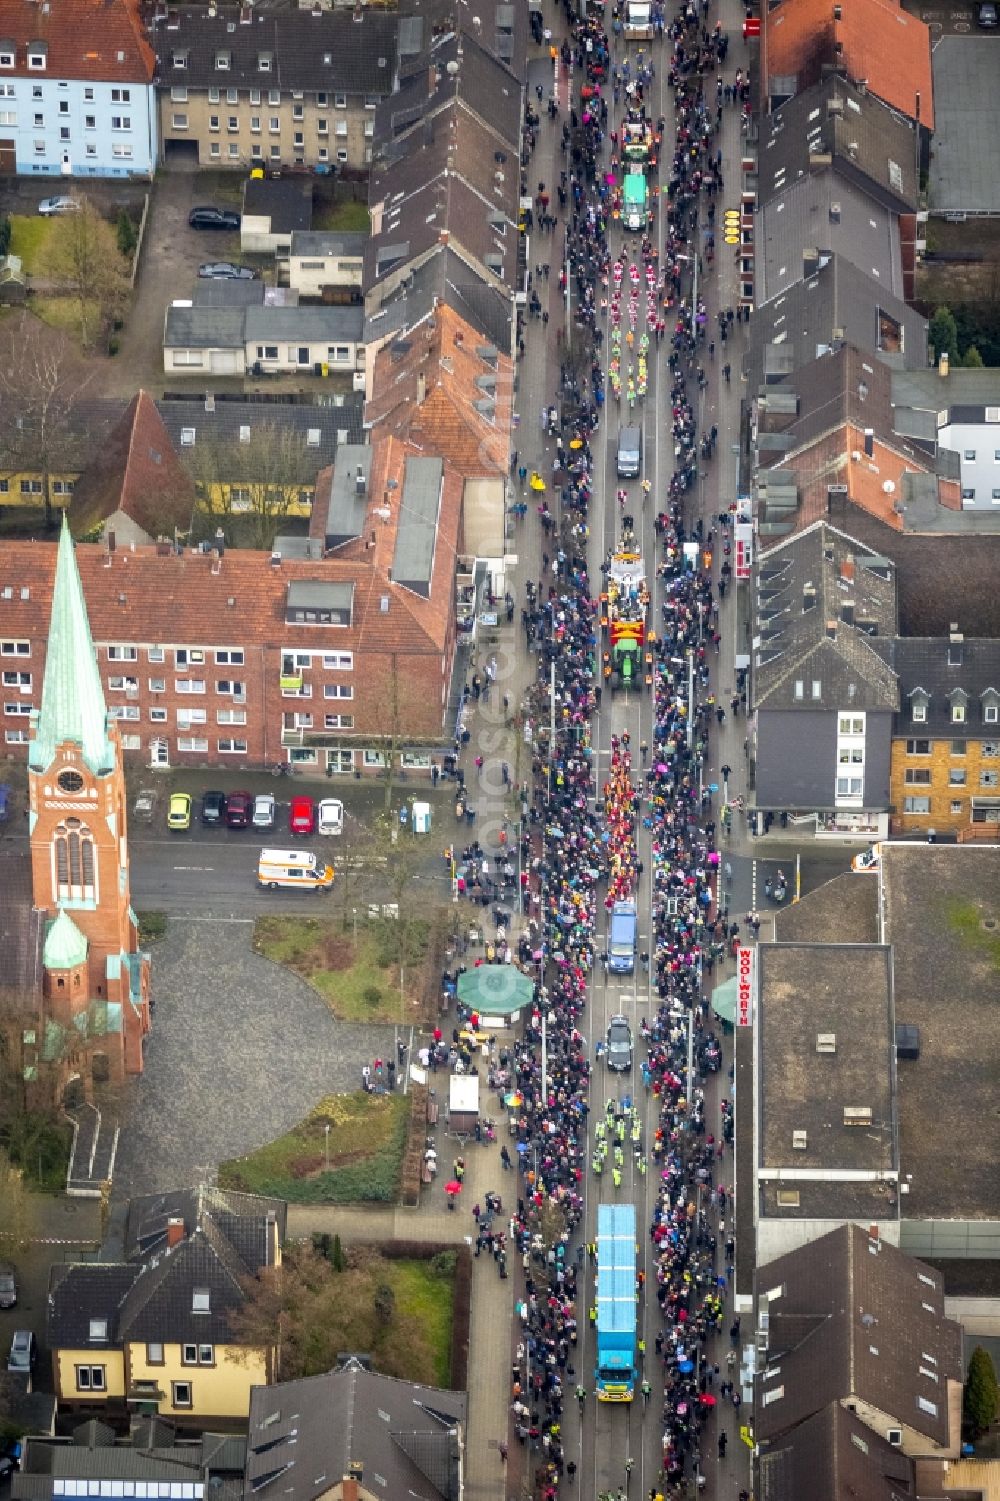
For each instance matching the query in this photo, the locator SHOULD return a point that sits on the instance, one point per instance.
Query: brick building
(237, 658)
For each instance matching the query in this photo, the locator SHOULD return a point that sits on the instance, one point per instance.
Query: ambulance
(293, 870)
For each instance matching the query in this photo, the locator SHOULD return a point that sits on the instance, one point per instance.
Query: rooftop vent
(826, 1042)
(800, 1140)
(857, 1115)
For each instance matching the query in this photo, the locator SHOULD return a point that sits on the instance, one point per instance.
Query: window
(20, 680)
(369, 130)
(196, 743)
(121, 122)
(338, 721)
(955, 806)
(179, 59)
(338, 661)
(919, 713)
(222, 62)
(342, 156)
(189, 1354)
(255, 124)
(233, 122)
(956, 776)
(255, 96)
(232, 748)
(958, 747)
(800, 689)
(214, 96)
(969, 455)
(187, 717)
(206, 1354)
(338, 352)
(371, 101)
(64, 106)
(213, 122)
(15, 737)
(232, 96)
(848, 725)
(36, 60)
(231, 716)
(179, 94)
(918, 747)
(968, 492)
(991, 713)
(6, 59)
(298, 112)
(17, 710)
(267, 351)
(236, 690)
(180, 1392)
(341, 129)
(8, 116)
(275, 155)
(90, 1378)
(274, 124)
(989, 750)
(179, 122)
(233, 657)
(917, 776)
(989, 778)
(154, 1354)
(122, 654)
(958, 713)
(39, 150)
(234, 149)
(74, 852)
(256, 152)
(158, 716)
(64, 133)
(849, 787)
(338, 690)
(274, 96)
(189, 685)
(926, 1405)
(187, 437)
(916, 804)
(15, 648)
(121, 96)
(123, 684)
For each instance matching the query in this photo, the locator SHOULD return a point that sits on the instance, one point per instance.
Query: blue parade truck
(616, 1303)
(622, 932)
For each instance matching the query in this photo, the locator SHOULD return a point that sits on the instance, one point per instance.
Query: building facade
(77, 97)
(292, 89)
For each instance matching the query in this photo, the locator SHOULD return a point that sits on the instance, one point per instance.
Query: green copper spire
(73, 706)
(65, 946)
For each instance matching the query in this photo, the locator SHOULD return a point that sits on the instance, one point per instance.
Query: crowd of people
(579, 849)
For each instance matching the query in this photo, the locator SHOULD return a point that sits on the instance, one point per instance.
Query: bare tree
(84, 257)
(261, 479)
(40, 390)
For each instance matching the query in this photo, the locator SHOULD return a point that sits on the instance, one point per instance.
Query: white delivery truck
(293, 870)
(639, 20)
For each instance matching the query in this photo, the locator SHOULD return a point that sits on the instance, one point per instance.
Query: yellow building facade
(945, 784)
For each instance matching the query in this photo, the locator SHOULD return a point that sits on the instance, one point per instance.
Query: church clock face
(69, 781)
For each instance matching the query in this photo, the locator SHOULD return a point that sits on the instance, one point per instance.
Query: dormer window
(918, 706)
(36, 55)
(179, 57)
(8, 54)
(264, 60)
(223, 61)
(958, 712)
(201, 1300)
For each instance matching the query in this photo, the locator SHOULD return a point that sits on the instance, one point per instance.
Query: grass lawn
(359, 980)
(40, 1146)
(348, 214)
(64, 313)
(29, 238)
(366, 1142)
(399, 1312)
(152, 926)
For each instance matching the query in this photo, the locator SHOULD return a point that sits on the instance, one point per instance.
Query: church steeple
(73, 707)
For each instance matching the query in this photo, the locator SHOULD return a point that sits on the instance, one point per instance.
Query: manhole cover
(989, 924)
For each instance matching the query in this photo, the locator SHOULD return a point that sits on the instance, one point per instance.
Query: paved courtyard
(240, 1050)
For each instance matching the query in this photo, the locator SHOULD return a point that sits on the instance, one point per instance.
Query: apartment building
(76, 90)
(246, 657)
(294, 89)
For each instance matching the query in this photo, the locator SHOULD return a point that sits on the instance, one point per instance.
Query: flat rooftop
(826, 1051)
(964, 167)
(941, 908)
(844, 910)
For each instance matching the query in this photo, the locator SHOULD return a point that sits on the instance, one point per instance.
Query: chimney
(944, 364)
(220, 541)
(810, 263)
(847, 612)
(847, 570)
(831, 630)
(175, 1230)
(870, 442)
(421, 389)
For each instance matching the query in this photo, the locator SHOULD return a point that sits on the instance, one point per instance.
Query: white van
(330, 816)
(293, 870)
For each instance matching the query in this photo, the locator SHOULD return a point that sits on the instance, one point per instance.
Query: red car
(239, 810)
(302, 815)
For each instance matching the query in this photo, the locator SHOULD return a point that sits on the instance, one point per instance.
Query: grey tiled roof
(304, 1435)
(286, 202)
(846, 386)
(445, 277)
(149, 1296)
(808, 632)
(832, 1456)
(816, 216)
(455, 70)
(838, 305)
(311, 324)
(204, 328)
(222, 426)
(938, 670)
(869, 144)
(853, 1322)
(500, 27)
(329, 51)
(347, 243)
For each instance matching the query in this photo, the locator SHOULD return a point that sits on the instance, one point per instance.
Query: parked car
(23, 1352)
(330, 818)
(225, 271)
(301, 815)
(60, 205)
(239, 810)
(619, 1044)
(5, 796)
(986, 15)
(8, 1467)
(207, 216)
(179, 811)
(213, 808)
(263, 811)
(8, 1286)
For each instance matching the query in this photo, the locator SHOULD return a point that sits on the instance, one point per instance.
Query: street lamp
(326, 1143)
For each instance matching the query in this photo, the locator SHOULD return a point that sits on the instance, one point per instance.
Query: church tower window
(74, 849)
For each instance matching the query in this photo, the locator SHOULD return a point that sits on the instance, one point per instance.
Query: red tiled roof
(874, 41)
(99, 40)
(438, 416)
(149, 596)
(137, 472)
